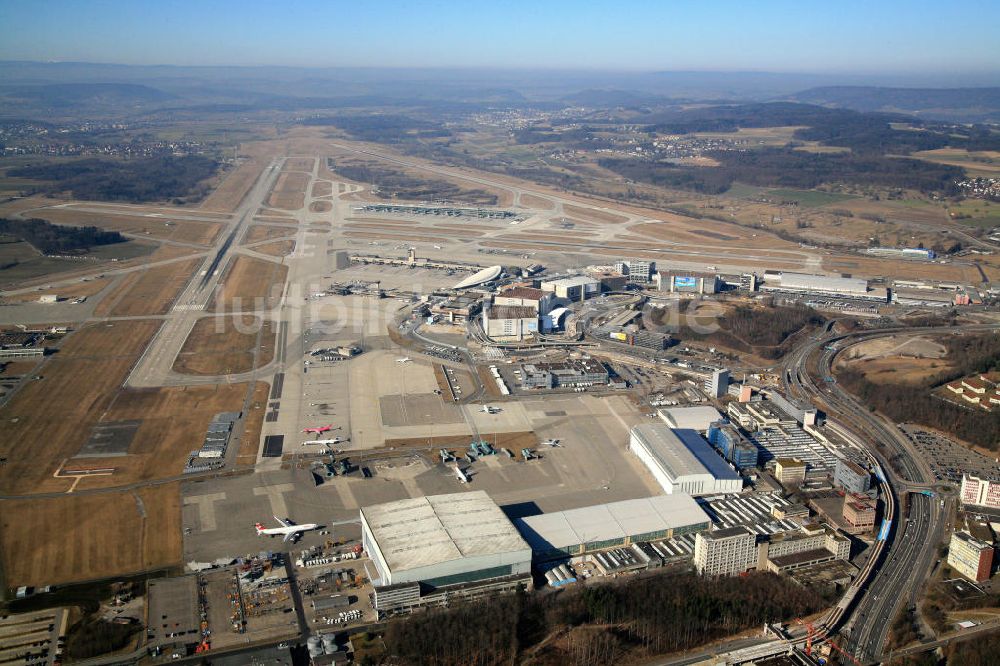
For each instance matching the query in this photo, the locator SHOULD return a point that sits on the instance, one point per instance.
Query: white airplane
(321, 442)
(289, 530)
(490, 410)
(404, 359)
(460, 475)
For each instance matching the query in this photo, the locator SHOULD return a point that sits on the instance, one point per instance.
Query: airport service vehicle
(288, 530)
(319, 430)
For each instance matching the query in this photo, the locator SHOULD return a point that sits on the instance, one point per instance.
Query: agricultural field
(47, 421)
(977, 163)
(111, 534)
(225, 346)
(148, 292)
(249, 284)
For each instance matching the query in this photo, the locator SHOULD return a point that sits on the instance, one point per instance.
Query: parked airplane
(490, 410)
(319, 430)
(460, 475)
(405, 359)
(289, 530)
(328, 442)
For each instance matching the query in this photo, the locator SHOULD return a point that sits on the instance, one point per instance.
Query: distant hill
(954, 104)
(68, 95)
(611, 98)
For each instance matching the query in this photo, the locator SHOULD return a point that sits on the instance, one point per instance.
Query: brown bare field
(78, 290)
(230, 192)
(173, 419)
(897, 369)
(536, 202)
(148, 292)
(250, 282)
(594, 214)
(253, 422)
(978, 163)
(82, 537)
(184, 231)
(320, 207)
(290, 191)
(263, 232)
(17, 368)
(322, 188)
(49, 420)
(913, 270)
(299, 164)
(278, 248)
(218, 346)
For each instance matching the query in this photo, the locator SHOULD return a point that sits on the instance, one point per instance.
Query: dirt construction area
(72, 538)
(896, 359)
(250, 284)
(225, 346)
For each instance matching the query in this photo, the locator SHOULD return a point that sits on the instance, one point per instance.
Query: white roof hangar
(442, 539)
(577, 531)
(482, 277)
(823, 284)
(693, 418)
(682, 461)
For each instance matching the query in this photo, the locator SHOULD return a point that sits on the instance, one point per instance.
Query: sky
(840, 36)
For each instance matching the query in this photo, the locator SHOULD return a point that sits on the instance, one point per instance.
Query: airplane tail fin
(258, 527)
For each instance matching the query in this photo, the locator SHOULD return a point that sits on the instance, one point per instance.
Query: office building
(715, 384)
(637, 271)
(980, 492)
(970, 557)
(574, 288)
(789, 471)
(725, 552)
(688, 283)
(573, 372)
(510, 322)
(731, 443)
(682, 461)
(851, 476)
(859, 513)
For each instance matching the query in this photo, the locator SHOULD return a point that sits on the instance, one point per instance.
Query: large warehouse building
(807, 283)
(595, 528)
(461, 542)
(682, 461)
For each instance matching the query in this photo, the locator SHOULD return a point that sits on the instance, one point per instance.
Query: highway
(897, 568)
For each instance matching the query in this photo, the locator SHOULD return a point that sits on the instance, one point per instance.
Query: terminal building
(688, 283)
(822, 285)
(682, 461)
(429, 548)
(567, 534)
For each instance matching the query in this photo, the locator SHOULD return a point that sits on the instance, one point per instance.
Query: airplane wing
(291, 536)
(284, 522)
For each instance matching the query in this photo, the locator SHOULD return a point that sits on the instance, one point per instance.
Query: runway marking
(206, 509)
(276, 495)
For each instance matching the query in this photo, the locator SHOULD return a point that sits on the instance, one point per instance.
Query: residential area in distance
(447, 365)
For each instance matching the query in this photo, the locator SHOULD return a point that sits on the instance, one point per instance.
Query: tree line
(50, 238)
(160, 178)
(642, 616)
(762, 331)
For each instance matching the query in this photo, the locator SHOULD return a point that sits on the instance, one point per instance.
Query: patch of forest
(786, 167)
(159, 178)
(914, 403)
(50, 238)
(761, 331)
(382, 127)
(396, 184)
(597, 624)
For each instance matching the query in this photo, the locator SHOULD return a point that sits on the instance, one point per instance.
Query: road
(899, 568)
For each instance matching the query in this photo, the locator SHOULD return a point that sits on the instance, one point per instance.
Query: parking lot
(949, 460)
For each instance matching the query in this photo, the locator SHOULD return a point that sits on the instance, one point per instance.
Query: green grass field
(805, 198)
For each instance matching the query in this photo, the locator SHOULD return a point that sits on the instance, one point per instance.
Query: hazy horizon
(847, 39)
